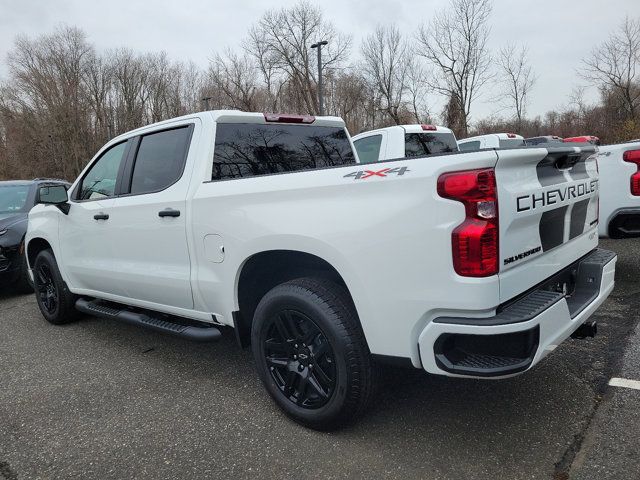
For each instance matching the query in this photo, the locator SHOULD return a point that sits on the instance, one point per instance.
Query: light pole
(205, 100)
(319, 45)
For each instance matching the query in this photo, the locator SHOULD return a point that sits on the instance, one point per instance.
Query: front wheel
(311, 353)
(56, 302)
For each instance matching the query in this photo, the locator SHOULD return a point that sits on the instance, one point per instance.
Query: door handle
(101, 216)
(169, 212)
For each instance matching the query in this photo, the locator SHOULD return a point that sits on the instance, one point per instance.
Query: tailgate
(548, 208)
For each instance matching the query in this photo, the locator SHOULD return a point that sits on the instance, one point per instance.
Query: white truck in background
(491, 140)
(403, 141)
(474, 264)
(619, 167)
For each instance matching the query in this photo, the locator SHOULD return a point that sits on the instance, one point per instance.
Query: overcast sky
(558, 32)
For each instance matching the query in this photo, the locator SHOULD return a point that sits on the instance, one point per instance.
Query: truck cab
(402, 141)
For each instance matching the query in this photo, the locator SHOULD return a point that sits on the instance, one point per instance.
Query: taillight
(633, 156)
(282, 118)
(429, 127)
(475, 241)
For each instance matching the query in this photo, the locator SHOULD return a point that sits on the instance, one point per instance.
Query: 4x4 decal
(363, 174)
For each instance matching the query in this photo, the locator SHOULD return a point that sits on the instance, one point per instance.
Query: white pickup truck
(403, 141)
(475, 264)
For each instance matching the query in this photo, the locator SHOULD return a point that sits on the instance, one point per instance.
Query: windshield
(13, 198)
(416, 144)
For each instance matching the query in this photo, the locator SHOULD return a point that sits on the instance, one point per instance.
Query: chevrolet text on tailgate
(473, 264)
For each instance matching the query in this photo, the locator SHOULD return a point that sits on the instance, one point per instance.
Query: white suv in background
(492, 140)
(402, 141)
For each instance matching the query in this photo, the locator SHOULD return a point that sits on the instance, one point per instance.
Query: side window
(160, 160)
(368, 148)
(100, 180)
(469, 146)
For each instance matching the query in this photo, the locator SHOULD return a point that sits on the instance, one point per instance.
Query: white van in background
(402, 141)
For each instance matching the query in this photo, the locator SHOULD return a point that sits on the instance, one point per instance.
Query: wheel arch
(264, 270)
(34, 247)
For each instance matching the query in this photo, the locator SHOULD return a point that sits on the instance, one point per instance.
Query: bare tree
(386, 65)
(614, 65)
(455, 43)
(237, 77)
(281, 42)
(517, 78)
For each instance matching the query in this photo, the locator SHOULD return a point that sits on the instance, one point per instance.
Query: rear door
(148, 220)
(548, 208)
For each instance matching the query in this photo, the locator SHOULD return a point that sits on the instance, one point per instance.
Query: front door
(86, 239)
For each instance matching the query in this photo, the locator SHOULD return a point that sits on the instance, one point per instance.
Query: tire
(311, 354)
(56, 302)
(23, 281)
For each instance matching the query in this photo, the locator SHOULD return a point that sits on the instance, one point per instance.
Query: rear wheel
(311, 354)
(56, 302)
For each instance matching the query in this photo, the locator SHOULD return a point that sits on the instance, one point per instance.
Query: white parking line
(623, 382)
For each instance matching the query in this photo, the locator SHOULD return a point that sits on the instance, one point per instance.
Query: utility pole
(319, 45)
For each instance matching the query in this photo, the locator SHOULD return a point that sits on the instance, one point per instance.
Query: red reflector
(276, 117)
(429, 127)
(511, 135)
(475, 241)
(475, 248)
(633, 156)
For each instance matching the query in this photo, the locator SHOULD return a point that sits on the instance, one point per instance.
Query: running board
(111, 311)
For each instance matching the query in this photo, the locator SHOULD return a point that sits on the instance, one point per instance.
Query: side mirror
(54, 195)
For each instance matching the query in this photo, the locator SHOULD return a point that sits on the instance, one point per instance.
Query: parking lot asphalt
(99, 399)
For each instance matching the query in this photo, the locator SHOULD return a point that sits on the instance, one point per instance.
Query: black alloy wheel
(311, 354)
(56, 302)
(46, 288)
(300, 359)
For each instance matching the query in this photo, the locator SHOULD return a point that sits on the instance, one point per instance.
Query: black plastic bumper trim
(487, 355)
(625, 224)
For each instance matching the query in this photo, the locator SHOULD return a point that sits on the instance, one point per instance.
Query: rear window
(249, 150)
(511, 142)
(469, 146)
(160, 160)
(417, 144)
(368, 148)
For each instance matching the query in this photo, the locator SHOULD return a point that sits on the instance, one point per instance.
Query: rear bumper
(625, 223)
(524, 330)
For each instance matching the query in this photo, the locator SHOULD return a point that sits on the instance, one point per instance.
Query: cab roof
(501, 136)
(410, 128)
(237, 116)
